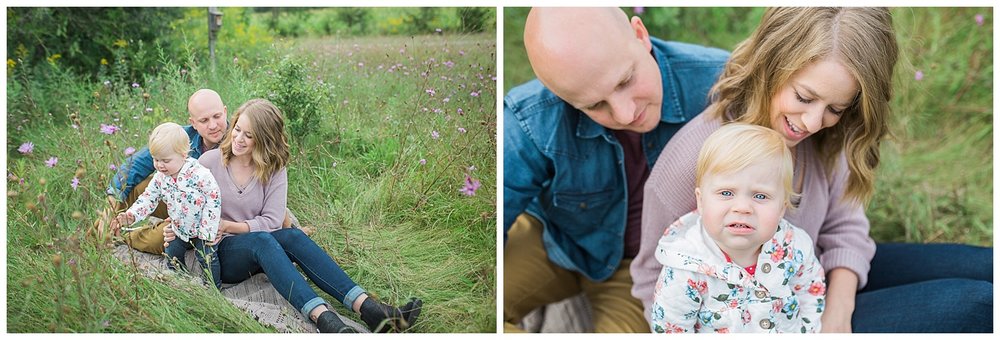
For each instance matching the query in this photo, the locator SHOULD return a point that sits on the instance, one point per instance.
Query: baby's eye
(726, 193)
(760, 196)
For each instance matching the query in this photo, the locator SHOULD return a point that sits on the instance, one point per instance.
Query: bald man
(208, 117)
(579, 142)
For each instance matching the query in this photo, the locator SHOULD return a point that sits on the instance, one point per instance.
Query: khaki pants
(149, 237)
(532, 281)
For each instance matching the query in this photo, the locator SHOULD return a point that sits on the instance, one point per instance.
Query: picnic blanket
(571, 315)
(255, 295)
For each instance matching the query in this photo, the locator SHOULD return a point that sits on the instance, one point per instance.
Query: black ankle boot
(382, 318)
(411, 310)
(329, 322)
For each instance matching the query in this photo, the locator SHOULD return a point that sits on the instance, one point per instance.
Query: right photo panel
(807, 169)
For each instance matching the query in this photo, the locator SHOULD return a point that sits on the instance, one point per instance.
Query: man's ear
(641, 33)
(190, 121)
(697, 197)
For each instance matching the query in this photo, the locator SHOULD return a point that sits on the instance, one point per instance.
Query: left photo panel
(251, 170)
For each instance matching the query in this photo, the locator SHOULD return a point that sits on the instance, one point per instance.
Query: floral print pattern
(193, 201)
(699, 291)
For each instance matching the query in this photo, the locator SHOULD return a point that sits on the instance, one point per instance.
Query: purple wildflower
(435, 134)
(638, 10)
(135, 85)
(26, 148)
(979, 19)
(474, 93)
(51, 162)
(423, 161)
(74, 183)
(149, 109)
(461, 112)
(129, 151)
(460, 52)
(449, 64)
(430, 92)
(437, 30)
(112, 167)
(109, 129)
(471, 185)
(919, 76)
(461, 130)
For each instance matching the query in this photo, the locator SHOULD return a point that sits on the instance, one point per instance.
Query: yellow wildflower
(104, 61)
(121, 43)
(11, 63)
(52, 59)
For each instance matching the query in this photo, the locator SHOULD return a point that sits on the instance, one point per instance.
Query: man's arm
(524, 170)
(134, 170)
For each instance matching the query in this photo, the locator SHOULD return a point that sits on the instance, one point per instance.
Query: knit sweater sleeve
(668, 195)
(843, 239)
(275, 200)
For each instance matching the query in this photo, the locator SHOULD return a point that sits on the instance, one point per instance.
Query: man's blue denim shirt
(567, 171)
(139, 165)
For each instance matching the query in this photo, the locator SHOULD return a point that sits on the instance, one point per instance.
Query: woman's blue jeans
(241, 256)
(927, 288)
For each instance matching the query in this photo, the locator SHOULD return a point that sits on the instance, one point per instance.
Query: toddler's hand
(168, 232)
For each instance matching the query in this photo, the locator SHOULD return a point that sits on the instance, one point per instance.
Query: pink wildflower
(26, 148)
(51, 162)
(471, 185)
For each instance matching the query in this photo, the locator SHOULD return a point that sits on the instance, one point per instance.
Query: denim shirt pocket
(581, 213)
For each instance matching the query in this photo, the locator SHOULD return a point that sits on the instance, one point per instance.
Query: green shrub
(474, 19)
(81, 40)
(300, 99)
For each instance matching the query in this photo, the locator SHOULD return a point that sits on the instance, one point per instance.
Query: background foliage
(387, 133)
(935, 181)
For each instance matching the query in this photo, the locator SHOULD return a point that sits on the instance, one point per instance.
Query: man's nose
(622, 109)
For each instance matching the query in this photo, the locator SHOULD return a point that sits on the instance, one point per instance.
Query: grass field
(405, 122)
(935, 182)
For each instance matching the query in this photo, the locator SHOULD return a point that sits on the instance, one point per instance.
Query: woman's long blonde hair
(270, 151)
(788, 40)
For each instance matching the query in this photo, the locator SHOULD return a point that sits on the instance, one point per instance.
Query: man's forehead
(206, 113)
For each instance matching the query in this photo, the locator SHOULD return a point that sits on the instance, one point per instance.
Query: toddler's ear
(697, 197)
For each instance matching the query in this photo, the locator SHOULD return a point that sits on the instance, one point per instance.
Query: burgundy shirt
(636, 172)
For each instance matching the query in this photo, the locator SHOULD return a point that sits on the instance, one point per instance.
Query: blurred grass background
(935, 182)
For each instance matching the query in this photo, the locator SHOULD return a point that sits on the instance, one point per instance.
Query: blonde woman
(822, 78)
(250, 167)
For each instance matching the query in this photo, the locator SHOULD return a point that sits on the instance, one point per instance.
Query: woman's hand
(168, 233)
(842, 285)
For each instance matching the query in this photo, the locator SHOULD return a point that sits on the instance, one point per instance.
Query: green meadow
(392, 127)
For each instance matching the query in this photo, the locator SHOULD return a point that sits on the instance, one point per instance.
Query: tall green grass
(935, 182)
(398, 226)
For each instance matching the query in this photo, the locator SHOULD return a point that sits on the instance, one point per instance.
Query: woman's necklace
(235, 180)
(800, 174)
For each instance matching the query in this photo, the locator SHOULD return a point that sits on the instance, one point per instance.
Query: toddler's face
(168, 163)
(741, 210)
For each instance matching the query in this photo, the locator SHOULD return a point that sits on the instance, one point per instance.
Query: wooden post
(214, 23)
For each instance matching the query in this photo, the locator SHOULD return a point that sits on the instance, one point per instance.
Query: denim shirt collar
(670, 107)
